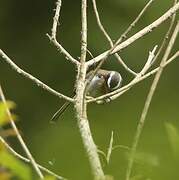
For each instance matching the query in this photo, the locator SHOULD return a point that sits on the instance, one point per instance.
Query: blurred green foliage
(10, 166)
(16, 167)
(3, 115)
(173, 137)
(24, 25)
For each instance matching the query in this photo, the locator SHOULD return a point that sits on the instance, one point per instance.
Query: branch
(28, 160)
(25, 148)
(145, 76)
(56, 18)
(148, 102)
(109, 39)
(115, 94)
(62, 50)
(132, 25)
(53, 39)
(32, 78)
(110, 148)
(167, 34)
(139, 75)
(108, 53)
(135, 37)
(80, 103)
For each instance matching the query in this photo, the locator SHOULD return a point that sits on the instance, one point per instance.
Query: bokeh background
(23, 28)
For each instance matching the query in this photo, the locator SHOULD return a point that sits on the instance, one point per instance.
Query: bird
(103, 82)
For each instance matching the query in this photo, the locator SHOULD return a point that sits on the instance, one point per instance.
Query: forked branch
(53, 37)
(80, 103)
(123, 36)
(109, 39)
(135, 37)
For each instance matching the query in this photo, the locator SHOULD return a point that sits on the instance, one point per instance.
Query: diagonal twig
(32, 78)
(148, 101)
(139, 75)
(25, 148)
(144, 76)
(135, 37)
(124, 35)
(102, 57)
(114, 46)
(115, 94)
(167, 34)
(28, 160)
(110, 148)
(109, 39)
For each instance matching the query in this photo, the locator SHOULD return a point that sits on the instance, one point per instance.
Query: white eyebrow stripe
(109, 79)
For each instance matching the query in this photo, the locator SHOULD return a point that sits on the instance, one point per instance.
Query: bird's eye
(114, 80)
(99, 75)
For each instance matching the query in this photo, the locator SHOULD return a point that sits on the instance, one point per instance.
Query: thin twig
(121, 147)
(25, 148)
(139, 75)
(32, 78)
(113, 46)
(53, 38)
(148, 101)
(56, 18)
(28, 160)
(132, 25)
(83, 31)
(62, 50)
(135, 37)
(115, 94)
(109, 39)
(148, 64)
(126, 43)
(145, 76)
(110, 148)
(167, 34)
(80, 103)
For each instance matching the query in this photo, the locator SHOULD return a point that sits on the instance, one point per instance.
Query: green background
(23, 28)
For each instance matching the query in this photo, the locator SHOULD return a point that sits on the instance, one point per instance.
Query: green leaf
(147, 159)
(16, 167)
(145, 165)
(3, 114)
(173, 137)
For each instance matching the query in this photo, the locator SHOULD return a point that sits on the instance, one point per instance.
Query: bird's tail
(60, 112)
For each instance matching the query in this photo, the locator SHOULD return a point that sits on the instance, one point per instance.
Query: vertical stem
(148, 102)
(89, 144)
(56, 18)
(81, 106)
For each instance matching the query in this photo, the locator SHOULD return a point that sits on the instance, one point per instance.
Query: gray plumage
(103, 82)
